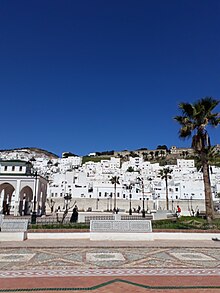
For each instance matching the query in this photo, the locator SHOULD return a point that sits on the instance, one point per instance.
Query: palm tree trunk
(115, 197)
(167, 199)
(208, 191)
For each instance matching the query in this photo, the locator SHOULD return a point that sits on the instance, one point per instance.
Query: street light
(97, 203)
(142, 185)
(130, 195)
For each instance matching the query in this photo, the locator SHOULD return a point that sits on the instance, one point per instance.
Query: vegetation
(59, 226)
(93, 159)
(105, 153)
(193, 122)
(162, 147)
(187, 223)
(165, 174)
(115, 180)
(183, 223)
(130, 169)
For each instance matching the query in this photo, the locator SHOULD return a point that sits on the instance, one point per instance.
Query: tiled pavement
(70, 265)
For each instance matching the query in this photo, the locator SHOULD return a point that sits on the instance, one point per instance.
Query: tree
(51, 204)
(115, 180)
(196, 117)
(162, 147)
(67, 207)
(165, 174)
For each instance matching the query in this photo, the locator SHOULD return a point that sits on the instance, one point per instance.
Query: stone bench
(13, 230)
(127, 230)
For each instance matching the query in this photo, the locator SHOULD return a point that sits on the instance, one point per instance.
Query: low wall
(13, 236)
(38, 236)
(124, 236)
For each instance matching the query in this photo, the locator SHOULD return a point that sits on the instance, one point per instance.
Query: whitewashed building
(22, 191)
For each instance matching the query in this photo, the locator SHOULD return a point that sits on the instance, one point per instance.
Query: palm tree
(165, 174)
(194, 121)
(115, 180)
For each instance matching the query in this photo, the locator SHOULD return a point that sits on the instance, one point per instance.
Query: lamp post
(67, 199)
(130, 195)
(142, 187)
(97, 203)
(108, 204)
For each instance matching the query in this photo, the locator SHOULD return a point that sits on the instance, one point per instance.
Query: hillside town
(41, 182)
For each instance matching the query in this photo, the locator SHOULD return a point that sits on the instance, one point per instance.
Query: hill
(26, 153)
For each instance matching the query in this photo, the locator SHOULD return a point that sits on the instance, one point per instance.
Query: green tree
(165, 174)
(115, 180)
(130, 169)
(195, 119)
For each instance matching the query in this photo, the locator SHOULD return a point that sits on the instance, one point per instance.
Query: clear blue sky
(96, 75)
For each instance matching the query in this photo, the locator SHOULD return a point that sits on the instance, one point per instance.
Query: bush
(59, 226)
(186, 223)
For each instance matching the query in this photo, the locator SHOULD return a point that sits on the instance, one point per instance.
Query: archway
(6, 191)
(25, 203)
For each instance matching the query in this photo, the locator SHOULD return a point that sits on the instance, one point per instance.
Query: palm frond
(186, 109)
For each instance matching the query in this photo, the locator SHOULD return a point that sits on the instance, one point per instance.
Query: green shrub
(59, 226)
(186, 223)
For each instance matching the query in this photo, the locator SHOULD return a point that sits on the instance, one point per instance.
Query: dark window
(13, 168)
(5, 168)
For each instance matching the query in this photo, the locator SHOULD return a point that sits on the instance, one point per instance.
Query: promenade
(113, 266)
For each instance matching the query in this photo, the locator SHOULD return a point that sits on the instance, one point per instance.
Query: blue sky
(94, 75)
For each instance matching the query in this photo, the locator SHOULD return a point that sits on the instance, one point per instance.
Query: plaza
(84, 265)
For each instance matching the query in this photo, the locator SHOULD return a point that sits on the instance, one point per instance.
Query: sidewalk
(110, 266)
(88, 243)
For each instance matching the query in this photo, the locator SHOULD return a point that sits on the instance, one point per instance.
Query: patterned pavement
(108, 261)
(93, 263)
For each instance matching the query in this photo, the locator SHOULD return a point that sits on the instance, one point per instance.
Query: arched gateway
(21, 190)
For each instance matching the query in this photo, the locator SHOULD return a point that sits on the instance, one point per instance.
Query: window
(61, 194)
(20, 168)
(5, 168)
(118, 194)
(13, 168)
(100, 194)
(176, 189)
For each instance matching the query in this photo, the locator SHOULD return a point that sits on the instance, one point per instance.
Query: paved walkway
(84, 265)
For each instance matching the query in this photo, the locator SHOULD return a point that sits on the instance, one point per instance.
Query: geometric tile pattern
(15, 257)
(112, 261)
(191, 256)
(109, 272)
(97, 257)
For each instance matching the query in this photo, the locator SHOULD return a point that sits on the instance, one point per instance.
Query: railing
(101, 217)
(136, 217)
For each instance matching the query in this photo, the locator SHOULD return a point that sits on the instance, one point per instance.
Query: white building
(21, 190)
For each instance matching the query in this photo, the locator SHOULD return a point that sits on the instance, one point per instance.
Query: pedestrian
(178, 211)
(74, 217)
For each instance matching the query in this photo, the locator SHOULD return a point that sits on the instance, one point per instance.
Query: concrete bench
(13, 230)
(127, 230)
